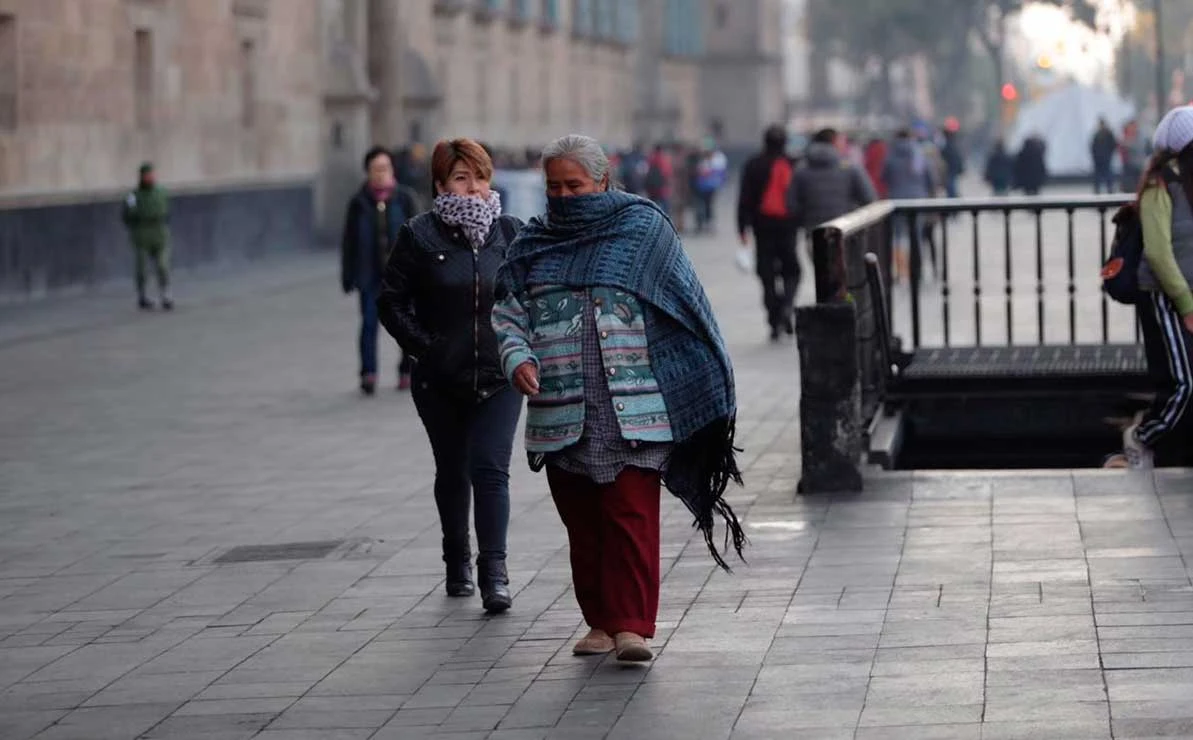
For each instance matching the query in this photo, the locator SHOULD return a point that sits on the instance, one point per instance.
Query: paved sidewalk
(136, 450)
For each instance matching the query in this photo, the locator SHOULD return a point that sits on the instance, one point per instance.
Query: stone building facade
(515, 73)
(256, 112)
(222, 95)
(741, 81)
(213, 91)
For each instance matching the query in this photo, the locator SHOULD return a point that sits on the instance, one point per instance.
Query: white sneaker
(1139, 457)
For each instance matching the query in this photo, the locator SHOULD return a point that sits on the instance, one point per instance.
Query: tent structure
(1066, 120)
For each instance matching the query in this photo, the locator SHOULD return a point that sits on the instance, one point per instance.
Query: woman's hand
(526, 379)
(1189, 322)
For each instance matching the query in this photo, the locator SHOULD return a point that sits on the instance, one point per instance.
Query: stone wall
(52, 247)
(224, 96)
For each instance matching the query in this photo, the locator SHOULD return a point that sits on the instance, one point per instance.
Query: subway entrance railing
(990, 345)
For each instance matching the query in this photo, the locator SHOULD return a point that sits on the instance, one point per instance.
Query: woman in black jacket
(436, 300)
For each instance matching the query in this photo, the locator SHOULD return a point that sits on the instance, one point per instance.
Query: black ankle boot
(459, 578)
(495, 586)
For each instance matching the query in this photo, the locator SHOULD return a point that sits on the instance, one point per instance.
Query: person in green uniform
(147, 215)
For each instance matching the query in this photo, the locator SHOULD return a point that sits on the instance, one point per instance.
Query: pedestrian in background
(909, 174)
(954, 157)
(371, 225)
(874, 159)
(711, 173)
(660, 178)
(1102, 147)
(436, 301)
(146, 214)
(634, 167)
(1165, 314)
(681, 197)
(1031, 166)
(939, 167)
(828, 184)
(1000, 169)
(763, 207)
(1132, 156)
(605, 326)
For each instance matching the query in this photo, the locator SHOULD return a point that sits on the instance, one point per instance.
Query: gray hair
(583, 150)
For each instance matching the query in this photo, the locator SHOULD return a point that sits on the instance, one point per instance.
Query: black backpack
(1120, 273)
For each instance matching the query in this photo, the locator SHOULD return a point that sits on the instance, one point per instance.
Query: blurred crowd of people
(683, 179)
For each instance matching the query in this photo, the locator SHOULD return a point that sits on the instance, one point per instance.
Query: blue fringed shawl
(622, 241)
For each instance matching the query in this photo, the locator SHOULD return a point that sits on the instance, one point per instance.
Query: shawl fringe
(699, 470)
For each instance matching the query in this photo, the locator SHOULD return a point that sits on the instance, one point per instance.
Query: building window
(248, 84)
(582, 17)
(684, 35)
(603, 18)
(523, 10)
(143, 78)
(696, 29)
(9, 72)
(626, 21)
(551, 12)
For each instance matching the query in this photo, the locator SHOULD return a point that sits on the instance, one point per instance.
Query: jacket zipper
(476, 320)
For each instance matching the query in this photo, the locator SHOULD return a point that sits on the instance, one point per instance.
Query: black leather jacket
(436, 301)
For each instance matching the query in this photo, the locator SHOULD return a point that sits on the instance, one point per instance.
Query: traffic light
(1009, 92)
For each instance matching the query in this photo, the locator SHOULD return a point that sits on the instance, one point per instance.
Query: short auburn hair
(449, 152)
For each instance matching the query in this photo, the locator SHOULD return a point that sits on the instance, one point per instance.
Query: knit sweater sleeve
(511, 324)
(1155, 211)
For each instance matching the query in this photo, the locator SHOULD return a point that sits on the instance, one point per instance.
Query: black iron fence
(974, 272)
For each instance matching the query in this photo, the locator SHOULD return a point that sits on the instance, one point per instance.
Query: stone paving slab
(137, 449)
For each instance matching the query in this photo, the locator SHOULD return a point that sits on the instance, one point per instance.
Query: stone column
(347, 97)
(385, 55)
(830, 398)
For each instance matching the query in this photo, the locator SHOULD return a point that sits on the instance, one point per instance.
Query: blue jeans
(368, 335)
(704, 212)
(472, 443)
(1103, 181)
(368, 331)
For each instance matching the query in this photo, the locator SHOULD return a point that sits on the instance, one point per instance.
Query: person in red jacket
(875, 159)
(763, 208)
(660, 177)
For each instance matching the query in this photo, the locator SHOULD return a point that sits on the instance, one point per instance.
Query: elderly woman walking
(603, 323)
(436, 300)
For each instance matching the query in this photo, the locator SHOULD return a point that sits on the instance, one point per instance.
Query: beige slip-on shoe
(596, 642)
(632, 648)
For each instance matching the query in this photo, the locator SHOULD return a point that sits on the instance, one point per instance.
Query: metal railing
(1038, 284)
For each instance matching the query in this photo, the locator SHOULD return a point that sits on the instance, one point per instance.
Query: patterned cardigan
(543, 326)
